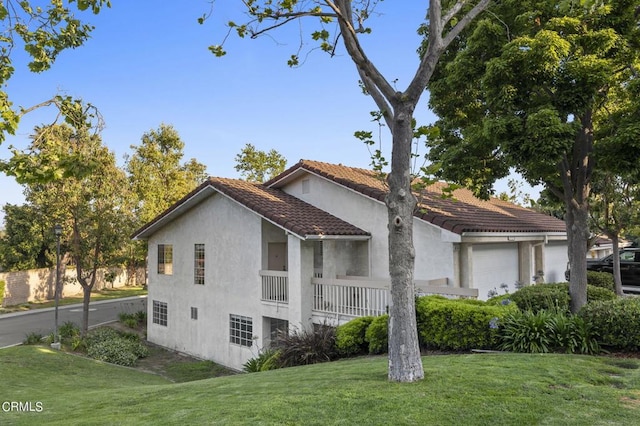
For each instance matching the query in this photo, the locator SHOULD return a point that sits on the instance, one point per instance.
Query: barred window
(240, 330)
(198, 266)
(165, 259)
(159, 313)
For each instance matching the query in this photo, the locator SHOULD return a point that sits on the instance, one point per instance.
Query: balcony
(275, 286)
(345, 298)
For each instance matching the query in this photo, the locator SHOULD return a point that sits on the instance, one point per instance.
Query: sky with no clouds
(147, 63)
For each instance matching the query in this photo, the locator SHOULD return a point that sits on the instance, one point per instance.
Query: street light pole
(57, 230)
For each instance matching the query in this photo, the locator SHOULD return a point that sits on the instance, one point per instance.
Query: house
(233, 262)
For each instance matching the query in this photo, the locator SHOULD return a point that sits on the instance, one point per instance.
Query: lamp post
(57, 230)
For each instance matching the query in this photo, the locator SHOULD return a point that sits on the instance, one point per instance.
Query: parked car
(629, 266)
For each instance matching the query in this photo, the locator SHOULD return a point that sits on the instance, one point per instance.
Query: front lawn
(472, 389)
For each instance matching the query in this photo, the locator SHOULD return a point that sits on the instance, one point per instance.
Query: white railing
(275, 286)
(363, 296)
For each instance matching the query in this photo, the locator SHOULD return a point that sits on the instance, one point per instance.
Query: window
(277, 328)
(240, 330)
(198, 265)
(306, 188)
(194, 313)
(159, 313)
(165, 259)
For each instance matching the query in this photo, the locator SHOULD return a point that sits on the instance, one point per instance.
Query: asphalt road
(14, 327)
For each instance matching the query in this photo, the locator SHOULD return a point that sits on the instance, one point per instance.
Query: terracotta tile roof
(285, 210)
(463, 213)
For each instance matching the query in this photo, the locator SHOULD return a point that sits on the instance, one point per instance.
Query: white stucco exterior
(242, 247)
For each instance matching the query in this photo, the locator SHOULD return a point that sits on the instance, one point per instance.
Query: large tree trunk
(577, 222)
(405, 364)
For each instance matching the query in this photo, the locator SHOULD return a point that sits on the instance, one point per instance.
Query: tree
(614, 208)
(527, 87)
(44, 32)
(87, 194)
(257, 166)
(396, 108)
(156, 175)
(27, 240)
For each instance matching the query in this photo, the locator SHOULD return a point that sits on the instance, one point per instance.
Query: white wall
(555, 261)
(232, 238)
(494, 265)
(434, 248)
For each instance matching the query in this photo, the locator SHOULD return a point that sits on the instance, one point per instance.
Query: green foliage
(266, 360)
(43, 32)
(455, 324)
(134, 320)
(554, 296)
(2, 287)
(546, 331)
(377, 335)
(157, 174)
(616, 323)
(68, 330)
(258, 166)
(350, 337)
(601, 279)
(33, 339)
(106, 344)
(28, 241)
(307, 346)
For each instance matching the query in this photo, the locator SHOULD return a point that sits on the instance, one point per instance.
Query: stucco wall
(231, 235)
(555, 261)
(494, 265)
(434, 248)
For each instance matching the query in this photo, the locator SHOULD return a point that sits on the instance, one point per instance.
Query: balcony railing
(363, 296)
(275, 286)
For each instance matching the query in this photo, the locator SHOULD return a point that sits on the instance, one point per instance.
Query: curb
(74, 306)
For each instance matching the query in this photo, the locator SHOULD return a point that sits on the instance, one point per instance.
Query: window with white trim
(160, 313)
(198, 264)
(240, 330)
(165, 259)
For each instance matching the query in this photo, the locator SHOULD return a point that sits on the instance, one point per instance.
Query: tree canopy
(257, 166)
(534, 85)
(43, 31)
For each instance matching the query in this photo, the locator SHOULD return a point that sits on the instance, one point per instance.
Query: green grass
(487, 389)
(105, 294)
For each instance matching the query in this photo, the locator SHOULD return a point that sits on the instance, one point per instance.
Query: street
(14, 327)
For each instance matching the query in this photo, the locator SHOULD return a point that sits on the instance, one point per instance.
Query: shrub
(2, 287)
(377, 335)
(68, 330)
(307, 346)
(350, 337)
(615, 323)
(32, 339)
(115, 351)
(601, 279)
(106, 344)
(547, 331)
(554, 297)
(266, 360)
(454, 324)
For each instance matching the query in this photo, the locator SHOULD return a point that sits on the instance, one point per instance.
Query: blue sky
(147, 63)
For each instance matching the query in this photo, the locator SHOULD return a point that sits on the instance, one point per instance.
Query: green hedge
(451, 324)
(350, 337)
(554, 296)
(615, 323)
(377, 335)
(2, 286)
(601, 279)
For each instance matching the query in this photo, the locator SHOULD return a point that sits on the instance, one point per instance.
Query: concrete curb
(74, 306)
